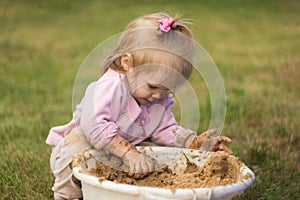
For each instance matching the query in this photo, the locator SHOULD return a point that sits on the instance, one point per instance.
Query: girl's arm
(101, 108)
(171, 134)
(99, 112)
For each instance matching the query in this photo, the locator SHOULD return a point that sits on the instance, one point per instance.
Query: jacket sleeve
(169, 133)
(100, 110)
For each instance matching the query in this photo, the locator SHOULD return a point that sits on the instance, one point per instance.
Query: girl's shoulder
(111, 75)
(111, 82)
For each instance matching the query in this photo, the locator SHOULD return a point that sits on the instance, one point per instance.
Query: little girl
(131, 103)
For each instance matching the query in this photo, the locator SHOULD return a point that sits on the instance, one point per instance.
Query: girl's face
(146, 87)
(150, 92)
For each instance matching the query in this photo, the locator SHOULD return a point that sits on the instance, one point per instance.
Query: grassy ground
(255, 44)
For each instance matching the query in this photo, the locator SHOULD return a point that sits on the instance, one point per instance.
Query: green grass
(255, 44)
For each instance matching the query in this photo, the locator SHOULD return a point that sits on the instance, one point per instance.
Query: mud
(220, 169)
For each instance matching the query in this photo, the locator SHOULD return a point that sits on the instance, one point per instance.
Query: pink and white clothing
(108, 109)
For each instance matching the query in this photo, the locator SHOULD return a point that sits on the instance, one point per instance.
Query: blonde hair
(148, 44)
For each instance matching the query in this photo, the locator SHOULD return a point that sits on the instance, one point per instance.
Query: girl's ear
(127, 61)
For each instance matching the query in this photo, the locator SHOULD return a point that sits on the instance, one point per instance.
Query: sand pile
(220, 169)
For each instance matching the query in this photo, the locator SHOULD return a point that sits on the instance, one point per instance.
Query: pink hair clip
(166, 24)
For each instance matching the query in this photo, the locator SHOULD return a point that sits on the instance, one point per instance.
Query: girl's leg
(61, 158)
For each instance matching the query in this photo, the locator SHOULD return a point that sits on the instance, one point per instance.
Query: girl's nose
(157, 95)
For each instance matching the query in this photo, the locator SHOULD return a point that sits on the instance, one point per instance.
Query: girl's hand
(140, 165)
(206, 141)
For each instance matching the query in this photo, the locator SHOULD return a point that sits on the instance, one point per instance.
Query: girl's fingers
(137, 176)
(224, 148)
(131, 172)
(221, 139)
(210, 132)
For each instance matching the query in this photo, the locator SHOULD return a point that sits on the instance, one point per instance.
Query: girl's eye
(152, 86)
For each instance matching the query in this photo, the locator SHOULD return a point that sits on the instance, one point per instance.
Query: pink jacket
(108, 109)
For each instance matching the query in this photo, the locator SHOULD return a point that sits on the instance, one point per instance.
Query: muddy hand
(206, 141)
(140, 165)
